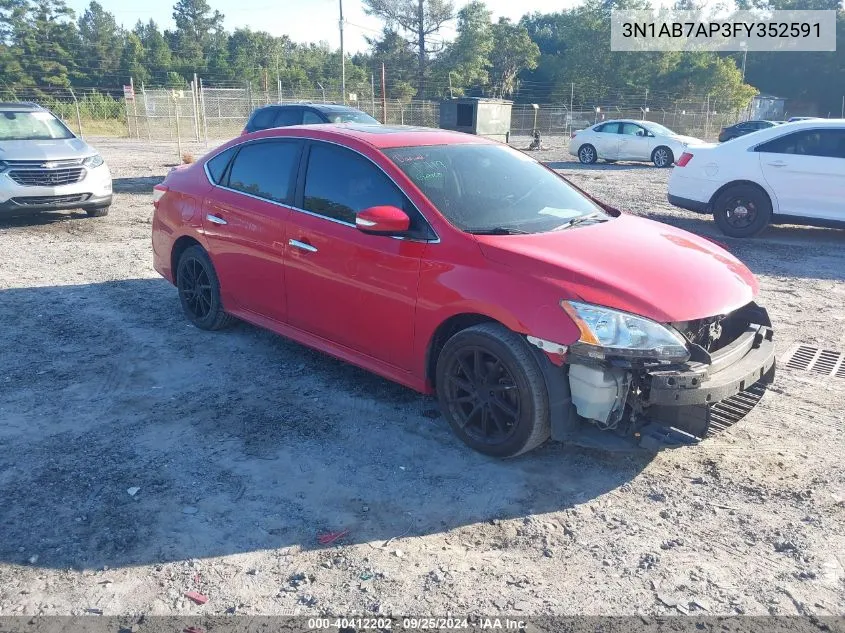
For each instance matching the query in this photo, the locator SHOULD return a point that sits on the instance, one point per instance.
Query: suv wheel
(492, 392)
(97, 212)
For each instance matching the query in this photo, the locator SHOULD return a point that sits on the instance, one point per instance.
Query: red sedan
(456, 265)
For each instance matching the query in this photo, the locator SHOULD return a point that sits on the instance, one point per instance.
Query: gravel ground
(142, 458)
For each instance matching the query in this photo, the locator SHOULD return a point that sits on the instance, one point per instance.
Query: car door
(806, 171)
(354, 289)
(244, 222)
(634, 142)
(606, 140)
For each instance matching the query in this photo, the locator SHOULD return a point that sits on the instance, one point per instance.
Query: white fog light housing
(606, 332)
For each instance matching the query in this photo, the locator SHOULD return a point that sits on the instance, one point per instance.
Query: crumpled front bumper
(738, 366)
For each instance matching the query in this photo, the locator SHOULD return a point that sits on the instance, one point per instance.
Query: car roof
(638, 122)
(322, 107)
(378, 136)
(19, 106)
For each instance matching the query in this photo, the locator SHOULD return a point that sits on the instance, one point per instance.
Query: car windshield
(493, 188)
(31, 126)
(656, 128)
(351, 116)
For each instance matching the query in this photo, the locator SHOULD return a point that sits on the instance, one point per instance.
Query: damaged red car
(459, 266)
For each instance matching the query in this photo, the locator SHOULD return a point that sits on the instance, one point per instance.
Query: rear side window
(607, 128)
(266, 170)
(261, 119)
(217, 166)
(339, 183)
(825, 143)
(309, 117)
(288, 116)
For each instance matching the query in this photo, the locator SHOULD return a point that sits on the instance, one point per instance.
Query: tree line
(541, 58)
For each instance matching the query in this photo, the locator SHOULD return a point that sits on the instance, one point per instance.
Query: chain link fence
(213, 114)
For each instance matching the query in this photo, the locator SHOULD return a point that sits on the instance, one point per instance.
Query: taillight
(573, 135)
(158, 194)
(683, 160)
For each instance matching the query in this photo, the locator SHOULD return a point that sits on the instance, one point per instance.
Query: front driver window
(339, 183)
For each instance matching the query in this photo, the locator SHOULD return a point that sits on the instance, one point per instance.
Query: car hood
(53, 149)
(631, 264)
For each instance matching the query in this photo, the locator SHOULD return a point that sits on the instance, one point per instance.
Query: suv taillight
(573, 135)
(158, 194)
(683, 160)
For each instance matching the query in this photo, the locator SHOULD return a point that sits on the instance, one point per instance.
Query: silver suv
(45, 167)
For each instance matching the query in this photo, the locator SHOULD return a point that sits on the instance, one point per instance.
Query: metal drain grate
(728, 412)
(815, 360)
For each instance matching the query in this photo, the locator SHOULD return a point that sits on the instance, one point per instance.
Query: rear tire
(97, 212)
(492, 391)
(587, 154)
(662, 157)
(199, 290)
(742, 211)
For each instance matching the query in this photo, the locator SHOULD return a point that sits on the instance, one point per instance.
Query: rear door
(806, 171)
(606, 140)
(354, 289)
(634, 142)
(244, 221)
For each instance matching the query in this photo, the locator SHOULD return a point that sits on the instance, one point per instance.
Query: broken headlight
(607, 332)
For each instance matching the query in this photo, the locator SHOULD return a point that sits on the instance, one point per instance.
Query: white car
(45, 167)
(792, 173)
(626, 139)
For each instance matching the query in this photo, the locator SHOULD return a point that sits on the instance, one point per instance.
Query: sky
(302, 20)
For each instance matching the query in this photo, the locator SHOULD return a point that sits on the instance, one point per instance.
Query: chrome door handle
(303, 246)
(215, 220)
(779, 163)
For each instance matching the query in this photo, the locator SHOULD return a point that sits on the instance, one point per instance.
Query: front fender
(523, 304)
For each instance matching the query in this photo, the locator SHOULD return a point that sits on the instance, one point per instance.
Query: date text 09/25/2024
(415, 624)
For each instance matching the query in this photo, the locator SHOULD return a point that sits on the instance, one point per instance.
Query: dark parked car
(741, 129)
(284, 115)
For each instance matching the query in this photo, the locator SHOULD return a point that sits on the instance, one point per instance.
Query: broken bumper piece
(681, 403)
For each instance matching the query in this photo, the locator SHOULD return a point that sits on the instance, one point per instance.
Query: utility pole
(342, 55)
(383, 96)
(373, 94)
(744, 46)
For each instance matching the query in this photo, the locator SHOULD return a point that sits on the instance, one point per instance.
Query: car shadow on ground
(134, 438)
(40, 219)
(143, 184)
(574, 165)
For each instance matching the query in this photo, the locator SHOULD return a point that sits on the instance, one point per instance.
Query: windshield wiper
(497, 230)
(593, 217)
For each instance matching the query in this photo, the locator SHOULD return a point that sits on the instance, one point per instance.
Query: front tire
(492, 392)
(742, 211)
(662, 157)
(587, 154)
(199, 290)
